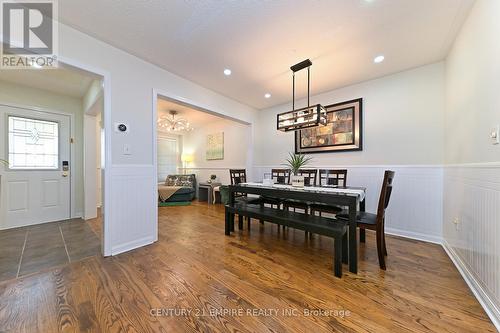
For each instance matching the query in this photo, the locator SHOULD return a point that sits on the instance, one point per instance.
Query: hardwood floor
(219, 280)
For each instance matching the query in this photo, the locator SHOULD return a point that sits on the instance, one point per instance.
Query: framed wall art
(343, 130)
(215, 146)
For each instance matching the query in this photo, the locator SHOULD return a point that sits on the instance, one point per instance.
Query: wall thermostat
(121, 128)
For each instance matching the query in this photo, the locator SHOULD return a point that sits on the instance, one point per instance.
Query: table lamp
(186, 158)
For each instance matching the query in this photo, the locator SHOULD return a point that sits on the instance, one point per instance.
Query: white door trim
(154, 128)
(73, 212)
(202, 108)
(108, 130)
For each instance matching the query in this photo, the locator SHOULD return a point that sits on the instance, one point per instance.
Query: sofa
(177, 188)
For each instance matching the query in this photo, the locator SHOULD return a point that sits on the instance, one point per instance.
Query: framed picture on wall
(215, 146)
(342, 132)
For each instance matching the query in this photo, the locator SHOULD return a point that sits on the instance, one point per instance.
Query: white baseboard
(78, 215)
(482, 296)
(414, 235)
(131, 245)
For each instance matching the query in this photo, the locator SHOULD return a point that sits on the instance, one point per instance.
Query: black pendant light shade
(308, 116)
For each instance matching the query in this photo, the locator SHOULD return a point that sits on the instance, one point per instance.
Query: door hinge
(71, 140)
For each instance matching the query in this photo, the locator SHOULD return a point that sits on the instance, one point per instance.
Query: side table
(205, 191)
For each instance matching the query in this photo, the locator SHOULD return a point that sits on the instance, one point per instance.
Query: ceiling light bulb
(227, 72)
(267, 95)
(378, 59)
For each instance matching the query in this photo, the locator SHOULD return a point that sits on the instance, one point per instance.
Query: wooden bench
(315, 224)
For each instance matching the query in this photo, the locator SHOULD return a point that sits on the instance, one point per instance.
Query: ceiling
(195, 117)
(63, 80)
(259, 40)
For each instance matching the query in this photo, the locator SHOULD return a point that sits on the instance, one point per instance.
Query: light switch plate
(495, 135)
(127, 150)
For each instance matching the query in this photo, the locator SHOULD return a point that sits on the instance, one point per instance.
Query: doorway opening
(195, 150)
(42, 182)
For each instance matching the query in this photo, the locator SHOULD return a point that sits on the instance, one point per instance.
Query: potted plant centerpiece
(295, 162)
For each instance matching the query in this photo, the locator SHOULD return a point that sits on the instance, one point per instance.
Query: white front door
(35, 187)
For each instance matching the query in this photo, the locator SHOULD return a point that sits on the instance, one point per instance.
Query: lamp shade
(186, 158)
(310, 116)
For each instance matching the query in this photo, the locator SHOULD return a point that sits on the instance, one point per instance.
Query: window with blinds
(168, 156)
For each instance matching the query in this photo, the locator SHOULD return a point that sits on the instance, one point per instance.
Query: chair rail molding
(416, 208)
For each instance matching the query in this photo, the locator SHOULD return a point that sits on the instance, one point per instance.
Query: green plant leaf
(297, 161)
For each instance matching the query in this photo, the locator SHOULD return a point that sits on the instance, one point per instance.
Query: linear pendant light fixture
(310, 116)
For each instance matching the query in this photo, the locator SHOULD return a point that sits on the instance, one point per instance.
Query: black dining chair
(239, 176)
(376, 221)
(329, 178)
(279, 176)
(309, 180)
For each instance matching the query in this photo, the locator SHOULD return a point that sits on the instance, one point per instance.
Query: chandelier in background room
(173, 123)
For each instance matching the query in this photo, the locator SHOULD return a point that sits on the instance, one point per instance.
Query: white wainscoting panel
(134, 207)
(203, 173)
(471, 229)
(415, 210)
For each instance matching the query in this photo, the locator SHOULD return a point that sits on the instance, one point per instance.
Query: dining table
(350, 198)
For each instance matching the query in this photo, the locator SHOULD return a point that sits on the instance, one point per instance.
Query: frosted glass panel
(33, 144)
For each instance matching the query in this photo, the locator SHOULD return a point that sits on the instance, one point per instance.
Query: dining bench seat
(310, 223)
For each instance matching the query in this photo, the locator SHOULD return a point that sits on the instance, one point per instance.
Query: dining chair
(333, 177)
(239, 176)
(329, 178)
(310, 177)
(279, 176)
(376, 221)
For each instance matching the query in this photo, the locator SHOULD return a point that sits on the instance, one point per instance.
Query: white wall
(131, 214)
(402, 119)
(11, 93)
(403, 123)
(237, 143)
(472, 174)
(99, 158)
(93, 107)
(94, 92)
(472, 88)
(90, 167)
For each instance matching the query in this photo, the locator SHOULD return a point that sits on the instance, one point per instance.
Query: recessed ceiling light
(267, 95)
(378, 59)
(227, 72)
